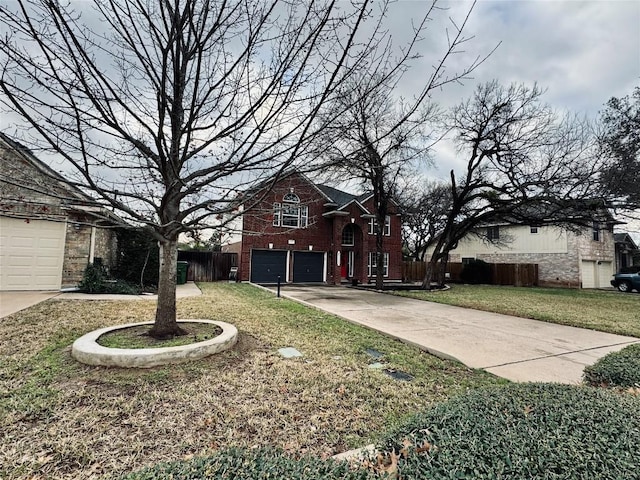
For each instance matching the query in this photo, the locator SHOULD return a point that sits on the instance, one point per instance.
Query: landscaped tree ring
(86, 349)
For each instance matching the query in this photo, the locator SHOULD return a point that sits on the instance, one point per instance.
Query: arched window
(291, 198)
(290, 213)
(348, 235)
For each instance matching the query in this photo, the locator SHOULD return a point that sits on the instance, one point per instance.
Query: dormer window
(290, 213)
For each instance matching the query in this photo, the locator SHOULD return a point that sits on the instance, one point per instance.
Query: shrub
(476, 272)
(241, 464)
(93, 279)
(138, 257)
(619, 369)
(522, 431)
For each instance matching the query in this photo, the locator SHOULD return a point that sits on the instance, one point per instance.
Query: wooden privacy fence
(208, 266)
(518, 274)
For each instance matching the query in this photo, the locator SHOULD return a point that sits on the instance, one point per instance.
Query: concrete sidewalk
(515, 348)
(12, 302)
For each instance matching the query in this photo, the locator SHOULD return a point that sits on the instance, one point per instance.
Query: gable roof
(625, 238)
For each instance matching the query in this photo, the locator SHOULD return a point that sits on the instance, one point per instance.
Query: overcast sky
(581, 52)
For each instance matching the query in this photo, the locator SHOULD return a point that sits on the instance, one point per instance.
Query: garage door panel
(308, 267)
(31, 254)
(268, 265)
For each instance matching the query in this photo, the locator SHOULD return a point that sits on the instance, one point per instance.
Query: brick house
(49, 230)
(310, 233)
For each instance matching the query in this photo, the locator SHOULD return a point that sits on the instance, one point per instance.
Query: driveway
(12, 302)
(515, 348)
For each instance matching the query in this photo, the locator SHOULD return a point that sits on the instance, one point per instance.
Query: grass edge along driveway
(611, 312)
(60, 419)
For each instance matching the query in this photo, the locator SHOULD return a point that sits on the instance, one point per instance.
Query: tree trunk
(165, 325)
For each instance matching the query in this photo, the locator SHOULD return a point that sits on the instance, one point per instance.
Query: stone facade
(29, 189)
(555, 268)
(327, 218)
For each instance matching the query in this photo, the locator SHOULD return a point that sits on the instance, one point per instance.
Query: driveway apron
(514, 348)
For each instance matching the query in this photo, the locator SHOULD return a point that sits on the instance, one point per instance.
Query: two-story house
(565, 258)
(303, 232)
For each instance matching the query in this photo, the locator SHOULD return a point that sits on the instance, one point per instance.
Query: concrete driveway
(12, 302)
(515, 348)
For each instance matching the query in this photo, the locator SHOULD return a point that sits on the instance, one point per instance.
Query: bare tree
(166, 109)
(619, 139)
(424, 213)
(377, 138)
(525, 163)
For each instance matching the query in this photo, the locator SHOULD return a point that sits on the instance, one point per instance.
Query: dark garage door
(308, 267)
(266, 265)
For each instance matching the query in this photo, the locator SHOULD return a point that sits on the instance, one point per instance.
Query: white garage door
(588, 274)
(596, 274)
(31, 254)
(605, 271)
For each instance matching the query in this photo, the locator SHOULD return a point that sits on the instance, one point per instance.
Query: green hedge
(262, 464)
(524, 431)
(618, 369)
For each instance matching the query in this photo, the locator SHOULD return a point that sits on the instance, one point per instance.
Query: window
(276, 214)
(290, 213)
(534, 229)
(596, 232)
(387, 226)
(348, 235)
(467, 260)
(372, 264)
(493, 233)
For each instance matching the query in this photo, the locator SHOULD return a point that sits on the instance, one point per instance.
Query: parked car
(627, 279)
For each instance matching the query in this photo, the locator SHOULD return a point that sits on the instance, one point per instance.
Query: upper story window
(493, 233)
(534, 229)
(387, 226)
(290, 213)
(596, 232)
(348, 236)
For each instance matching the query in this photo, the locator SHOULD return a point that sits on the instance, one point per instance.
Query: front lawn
(60, 419)
(611, 312)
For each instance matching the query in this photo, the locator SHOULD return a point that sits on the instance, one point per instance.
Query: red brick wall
(322, 234)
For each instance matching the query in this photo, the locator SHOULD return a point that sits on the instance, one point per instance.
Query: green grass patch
(616, 369)
(259, 464)
(62, 419)
(605, 311)
(138, 336)
(542, 431)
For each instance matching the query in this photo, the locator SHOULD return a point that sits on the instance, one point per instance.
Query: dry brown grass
(60, 419)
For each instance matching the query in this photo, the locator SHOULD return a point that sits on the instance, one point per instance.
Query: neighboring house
(565, 258)
(304, 233)
(49, 231)
(625, 249)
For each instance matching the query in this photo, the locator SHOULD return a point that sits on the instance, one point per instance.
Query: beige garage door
(588, 274)
(605, 271)
(31, 254)
(596, 274)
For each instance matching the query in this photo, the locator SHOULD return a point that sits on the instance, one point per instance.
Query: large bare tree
(376, 136)
(166, 109)
(525, 162)
(425, 207)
